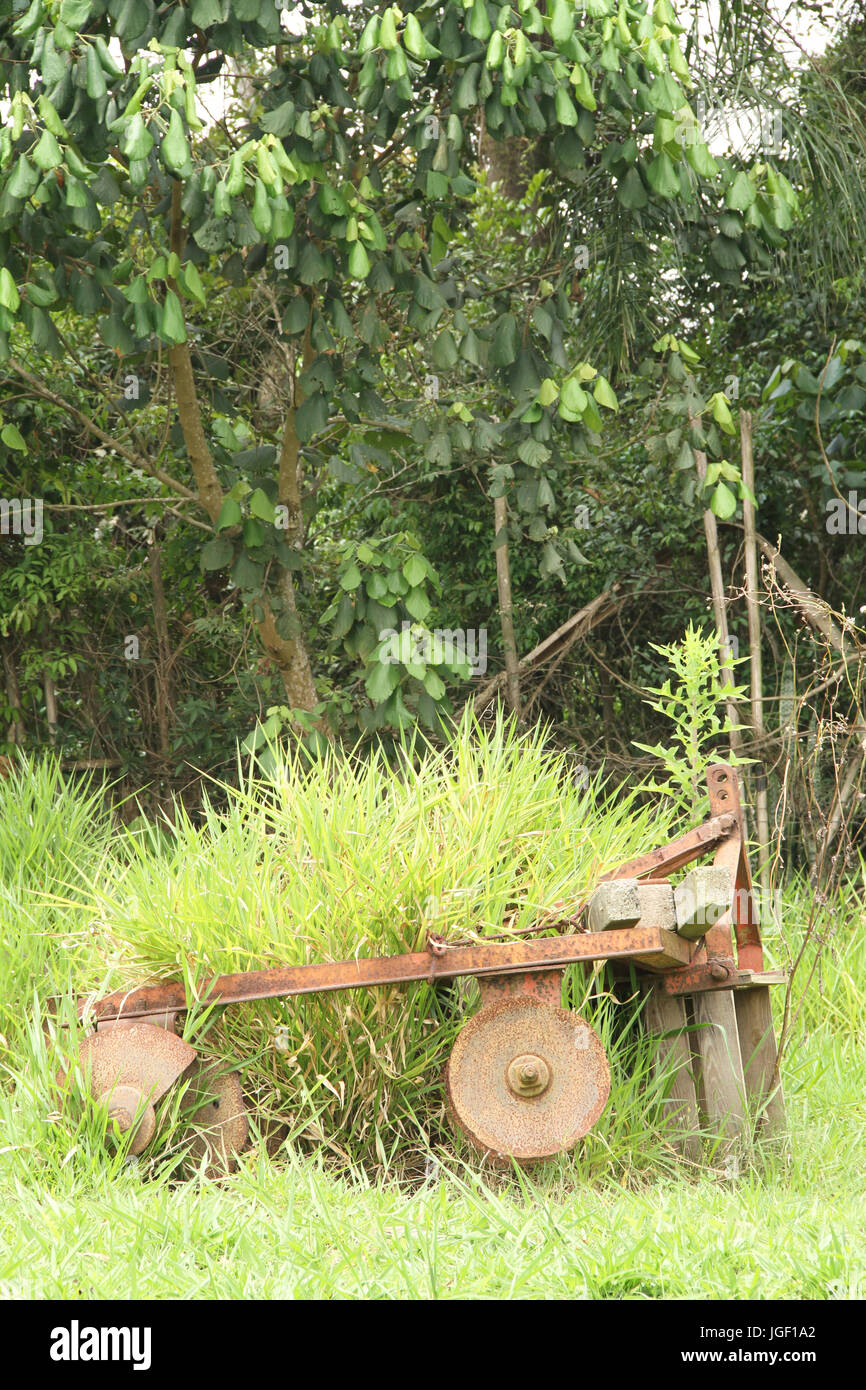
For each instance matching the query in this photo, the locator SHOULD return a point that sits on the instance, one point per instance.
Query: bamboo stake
(755, 666)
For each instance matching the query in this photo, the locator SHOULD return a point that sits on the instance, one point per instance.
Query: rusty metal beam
(731, 854)
(667, 858)
(717, 974)
(653, 946)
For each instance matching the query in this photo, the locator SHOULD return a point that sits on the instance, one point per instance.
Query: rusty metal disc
(131, 1069)
(216, 1107)
(526, 1080)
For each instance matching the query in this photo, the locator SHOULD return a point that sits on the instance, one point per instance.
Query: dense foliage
(290, 304)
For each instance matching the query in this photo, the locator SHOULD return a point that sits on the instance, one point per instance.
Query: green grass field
(371, 1196)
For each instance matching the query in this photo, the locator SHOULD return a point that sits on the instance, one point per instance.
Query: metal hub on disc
(215, 1104)
(131, 1069)
(526, 1080)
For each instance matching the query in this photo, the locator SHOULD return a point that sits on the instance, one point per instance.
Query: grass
(371, 1196)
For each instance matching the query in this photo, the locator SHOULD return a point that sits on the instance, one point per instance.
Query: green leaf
(253, 533)
(350, 578)
(359, 261)
(74, 13)
(39, 294)
(478, 24)
(388, 30)
(561, 21)
(96, 84)
(382, 680)
(726, 253)
(721, 413)
(572, 397)
(247, 573)
(47, 153)
(665, 95)
(565, 109)
(414, 570)
(9, 297)
(312, 266)
(434, 685)
(414, 41)
(723, 502)
(190, 282)
(438, 450)
(418, 604)
(631, 192)
(116, 333)
(506, 341)
(175, 150)
(662, 177)
(591, 417)
(741, 193)
(138, 141)
(260, 505)
(23, 180)
(12, 438)
(445, 350)
(230, 514)
(583, 87)
(217, 553)
(369, 40)
(312, 416)
(205, 13)
(172, 328)
(261, 213)
(281, 120)
(296, 316)
(41, 329)
(533, 452)
(604, 394)
(701, 160)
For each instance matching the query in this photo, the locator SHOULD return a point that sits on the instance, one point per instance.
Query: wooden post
(666, 1022)
(755, 671)
(758, 1049)
(721, 1083)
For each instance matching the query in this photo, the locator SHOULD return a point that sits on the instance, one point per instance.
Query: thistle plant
(697, 710)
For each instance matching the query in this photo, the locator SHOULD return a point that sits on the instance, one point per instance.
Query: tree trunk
(162, 665)
(755, 664)
(289, 655)
(15, 733)
(506, 611)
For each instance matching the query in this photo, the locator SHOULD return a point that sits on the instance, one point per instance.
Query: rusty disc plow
(526, 1079)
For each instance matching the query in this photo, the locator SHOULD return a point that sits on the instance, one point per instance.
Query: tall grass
(54, 845)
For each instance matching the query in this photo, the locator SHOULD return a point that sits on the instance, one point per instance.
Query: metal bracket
(715, 975)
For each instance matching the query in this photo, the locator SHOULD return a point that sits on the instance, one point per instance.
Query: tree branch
(188, 408)
(137, 460)
(603, 606)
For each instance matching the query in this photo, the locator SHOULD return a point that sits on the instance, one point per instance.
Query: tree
(341, 192)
